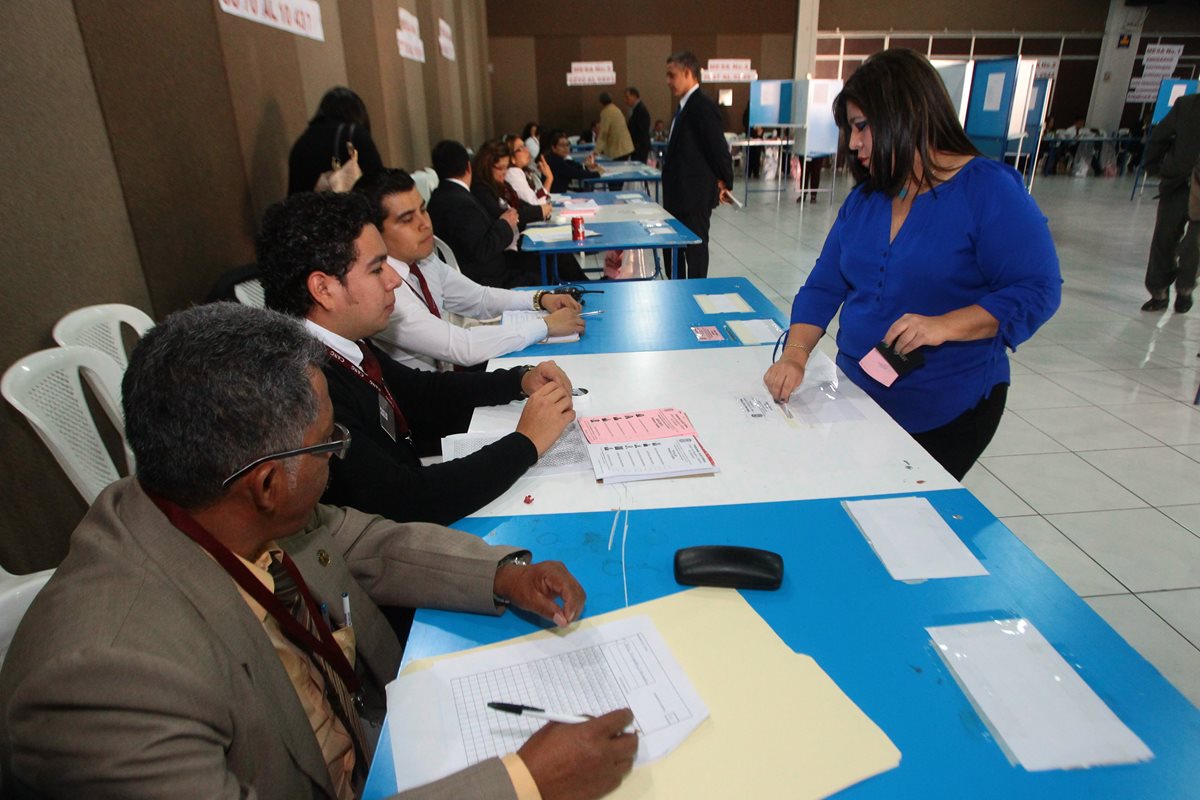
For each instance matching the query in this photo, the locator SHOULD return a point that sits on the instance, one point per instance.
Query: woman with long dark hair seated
(936, 251)
(340, 129)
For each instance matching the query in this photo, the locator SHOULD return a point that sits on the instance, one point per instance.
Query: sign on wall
(446, 39)
(1046, 68)
(728, 70)
(1158, 63)
(301, 17)
(408, 37)
(592, 73)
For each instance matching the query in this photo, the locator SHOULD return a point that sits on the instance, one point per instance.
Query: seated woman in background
(529, 135)
(529, 184)
(937, 251)
(488, 172)
(340, 128)
(556, 149)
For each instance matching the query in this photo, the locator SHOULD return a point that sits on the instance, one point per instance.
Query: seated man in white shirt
(418, 335)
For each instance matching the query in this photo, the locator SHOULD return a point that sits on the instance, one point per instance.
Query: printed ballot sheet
(676, 457)
(755, 331)
(636, 426)
(1043, 715)
(912, 540)
(619, 664)
(568, 454)
(731, 303)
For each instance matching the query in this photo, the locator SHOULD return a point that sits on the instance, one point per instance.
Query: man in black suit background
(698, 171)
(639, 124)
(477, 238)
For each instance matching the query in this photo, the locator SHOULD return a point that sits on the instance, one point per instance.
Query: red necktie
(433, 309)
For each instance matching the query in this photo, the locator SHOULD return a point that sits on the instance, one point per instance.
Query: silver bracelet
(519, 559)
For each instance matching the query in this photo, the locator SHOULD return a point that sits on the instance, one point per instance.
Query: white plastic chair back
(250, 293)
(45, 387)
(99, 327)
(16, 595)
(444, 252)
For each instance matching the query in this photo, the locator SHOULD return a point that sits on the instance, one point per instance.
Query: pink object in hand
(875, 365)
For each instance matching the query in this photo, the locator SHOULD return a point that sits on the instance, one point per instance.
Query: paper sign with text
(301, 17)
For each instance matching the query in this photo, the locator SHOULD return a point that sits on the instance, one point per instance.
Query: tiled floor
(1096, 466)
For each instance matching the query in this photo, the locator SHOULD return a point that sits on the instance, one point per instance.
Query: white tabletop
(768, 459)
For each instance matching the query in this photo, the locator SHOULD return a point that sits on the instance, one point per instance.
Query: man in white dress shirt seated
(418, 334)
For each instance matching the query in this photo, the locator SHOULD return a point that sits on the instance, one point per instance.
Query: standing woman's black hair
(909, 113)
(341, 104)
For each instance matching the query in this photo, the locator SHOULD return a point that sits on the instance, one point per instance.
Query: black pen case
(728, 566)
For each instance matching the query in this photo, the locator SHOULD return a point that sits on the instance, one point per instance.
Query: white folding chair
(426, 181)
(99, 327)
(444, 252)
(16, 594)
(45, 387)
(250, 293)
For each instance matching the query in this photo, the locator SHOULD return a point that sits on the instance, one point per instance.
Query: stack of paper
(756, 331)
(753, 718)
(517, 317)
(731, 303)
(568, 454)
(579, 207)
(552, 233)
(912, 540)
(644, 445)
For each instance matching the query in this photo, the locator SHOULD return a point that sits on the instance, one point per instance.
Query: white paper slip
(440, 723)
(554, 233)
(755, 331)
(567, 455)
(912, 540)
(731, 303)
(517, 317)
(1037, 708)
(674, 457)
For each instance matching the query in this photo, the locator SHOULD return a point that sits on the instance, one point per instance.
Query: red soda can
(577, 229)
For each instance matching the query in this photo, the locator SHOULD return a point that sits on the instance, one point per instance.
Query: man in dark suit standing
(639, 124)
(698, 171)
(1171, 154)
(477, 238)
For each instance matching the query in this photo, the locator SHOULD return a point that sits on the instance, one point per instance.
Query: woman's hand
(544, 169)
(782, 378)
(961, 325)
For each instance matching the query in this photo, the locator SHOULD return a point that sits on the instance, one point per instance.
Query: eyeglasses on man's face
(337, 446)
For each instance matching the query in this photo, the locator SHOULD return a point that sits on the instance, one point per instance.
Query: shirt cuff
(522, 780)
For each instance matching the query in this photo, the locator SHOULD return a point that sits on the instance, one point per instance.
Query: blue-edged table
(627, 172)
(618, 228)
(780, 487)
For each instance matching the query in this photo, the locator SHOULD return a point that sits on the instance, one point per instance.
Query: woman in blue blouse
(936, 249)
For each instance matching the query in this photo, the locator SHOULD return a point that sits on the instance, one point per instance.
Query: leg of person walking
(1161, 267)
(1189, 260)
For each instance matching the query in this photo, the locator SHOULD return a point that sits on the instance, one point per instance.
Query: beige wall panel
(66, 242)
(160, 76)
(365, 45)
(266, 89)
(777, 56)
(744, 46)
(558, 104)
(475, 66)
(513, 86)
(322, 64)
(636, 17)
(600, 48)
(646, 64)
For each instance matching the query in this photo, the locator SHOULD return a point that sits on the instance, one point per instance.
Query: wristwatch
(519, 559)
(524, 370)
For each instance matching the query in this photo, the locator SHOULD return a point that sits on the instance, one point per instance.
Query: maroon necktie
(373, 370)
(433, 309)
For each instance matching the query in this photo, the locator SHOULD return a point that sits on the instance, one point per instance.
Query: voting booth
(804, 108)
(997, 110)
(956, 75)
(1169, 91)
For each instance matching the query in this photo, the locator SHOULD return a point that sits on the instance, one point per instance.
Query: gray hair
(211, 389)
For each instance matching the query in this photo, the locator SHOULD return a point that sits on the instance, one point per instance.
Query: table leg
(674, 261)
(542, 258)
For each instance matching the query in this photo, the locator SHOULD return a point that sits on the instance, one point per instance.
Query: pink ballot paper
(875, 365)
(636, 426)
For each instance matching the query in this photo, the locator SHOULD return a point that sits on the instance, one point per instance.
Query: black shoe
(1183, 303)
(1156, 304)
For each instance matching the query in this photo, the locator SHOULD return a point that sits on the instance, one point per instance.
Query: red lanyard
(424, 295)
(327, 647)
(378, 385)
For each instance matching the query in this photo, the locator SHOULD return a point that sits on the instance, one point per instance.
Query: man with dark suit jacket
(168, 656)
(698, 170)
(323, 260)
(639, 124)
(477, 238)
(1171, 153)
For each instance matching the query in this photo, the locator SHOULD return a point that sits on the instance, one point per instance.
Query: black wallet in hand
(728, 566)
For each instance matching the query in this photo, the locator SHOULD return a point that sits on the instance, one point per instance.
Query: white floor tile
(1060, 482)
(1038, 391)
(1053, 358)
(1178, 384)
(1088, 428)
(1170, 423)
(1063, 556)
(1016, 437)
(1142, 548)
(1106, 387)
(994, 495)
(1158, 475)
(1170, 653)
(1180, 609)
(1192, 451)
(1187, 516)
